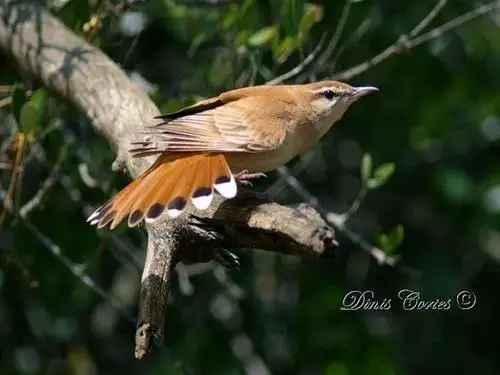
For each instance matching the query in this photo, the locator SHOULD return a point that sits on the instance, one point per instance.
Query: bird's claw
(244, 177)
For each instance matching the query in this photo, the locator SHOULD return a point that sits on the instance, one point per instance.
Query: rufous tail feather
(168, 185)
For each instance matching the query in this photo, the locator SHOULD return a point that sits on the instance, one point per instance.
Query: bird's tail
(173, 180)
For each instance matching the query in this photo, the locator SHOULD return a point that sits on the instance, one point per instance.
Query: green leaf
(285, 49)
(236, 13)
(18, 99)
(242, 37)
(312, 15)
(292, 12)
(28, 119)
(383, 243)
(231, 17)
(388, 243)
(337, 368)
(39, 99)
(366, 168)
(456, 185)
(396, 237)
(219, 71)
(244, 8)
(263, 36)
(53, 125)
(198, 40)
(174, 105)
(382, 173)
(157, 97)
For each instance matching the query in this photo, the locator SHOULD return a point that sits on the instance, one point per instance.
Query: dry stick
(119, 109)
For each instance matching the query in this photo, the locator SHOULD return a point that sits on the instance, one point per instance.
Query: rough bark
(118, 109)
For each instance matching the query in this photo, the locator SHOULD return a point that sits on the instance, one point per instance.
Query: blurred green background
(435, 118)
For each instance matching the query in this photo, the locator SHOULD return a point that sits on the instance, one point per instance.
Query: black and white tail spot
(226, 186)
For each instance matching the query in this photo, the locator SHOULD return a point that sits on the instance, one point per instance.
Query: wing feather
(218, 126)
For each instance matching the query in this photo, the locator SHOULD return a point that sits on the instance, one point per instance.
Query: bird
(236, 136)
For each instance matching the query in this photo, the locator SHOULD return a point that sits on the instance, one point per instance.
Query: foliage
(414, 167)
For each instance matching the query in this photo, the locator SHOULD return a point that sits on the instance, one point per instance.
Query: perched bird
(235, 136)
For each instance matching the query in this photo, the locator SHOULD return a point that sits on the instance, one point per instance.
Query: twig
(333, 219)
(36, 200)
(405, 42)
(5, 101)
(6, 89)
(351, 40)
(356, 204)
(338, 33)
(76, 269)
(125, 252)
(453, 24)
(281, 182)
(185, 272)
(301, 67)
(8, 201)
(428, 19)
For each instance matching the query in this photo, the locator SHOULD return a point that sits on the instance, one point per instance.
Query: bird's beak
(363, 90)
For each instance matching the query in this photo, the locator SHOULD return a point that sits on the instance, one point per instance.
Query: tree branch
(119, 109)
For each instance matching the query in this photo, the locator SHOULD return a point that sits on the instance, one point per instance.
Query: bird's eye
(329, 94)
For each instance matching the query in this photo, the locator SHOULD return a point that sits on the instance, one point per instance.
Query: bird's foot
(244, 177)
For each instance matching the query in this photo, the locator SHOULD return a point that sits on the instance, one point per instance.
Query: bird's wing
(228, 123)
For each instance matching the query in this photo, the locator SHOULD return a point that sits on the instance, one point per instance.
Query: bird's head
(330, 99)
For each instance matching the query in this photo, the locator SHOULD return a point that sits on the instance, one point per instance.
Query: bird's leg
(244, 177)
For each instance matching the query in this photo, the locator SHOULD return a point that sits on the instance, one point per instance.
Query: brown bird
(235, 136)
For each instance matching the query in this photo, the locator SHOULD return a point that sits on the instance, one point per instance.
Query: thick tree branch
(43, 47)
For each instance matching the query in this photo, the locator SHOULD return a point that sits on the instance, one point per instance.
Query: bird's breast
(259, 161)
(294, 144)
